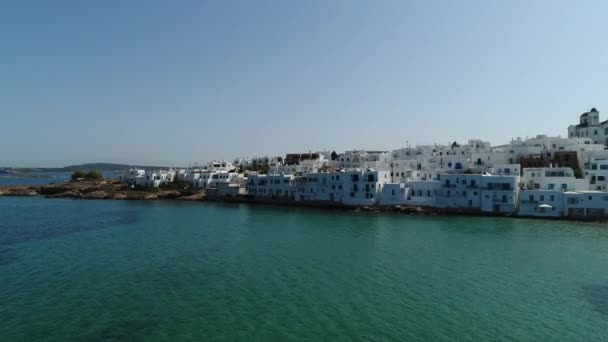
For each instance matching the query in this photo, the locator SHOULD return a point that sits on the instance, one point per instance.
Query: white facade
(393, 194)
(211, 179)
(596, 172)
(586, 203)
(591, 127)
(271, 186)
(541, 203)
(143, 178)
(552, 178)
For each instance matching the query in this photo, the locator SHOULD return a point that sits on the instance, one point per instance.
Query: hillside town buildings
(542, 176)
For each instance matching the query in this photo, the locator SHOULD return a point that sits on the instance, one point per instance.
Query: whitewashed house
(499, 194)
(211, 179)
(423, 193)
(130, 176)
(552, 178)
(588, 204)
(275, 186)
(541, 203)
(393, 194)
(596, 172)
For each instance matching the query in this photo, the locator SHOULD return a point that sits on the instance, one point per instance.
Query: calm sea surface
(167, 271)
(38, 178)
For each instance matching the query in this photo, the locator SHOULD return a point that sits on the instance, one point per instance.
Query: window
(564, 186)
(393, 191)
(552, 198)
(604, 167)
(542, 197)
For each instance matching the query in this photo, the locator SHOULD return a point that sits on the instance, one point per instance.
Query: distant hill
(81, 167)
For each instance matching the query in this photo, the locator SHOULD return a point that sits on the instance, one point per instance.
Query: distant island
(81, 167)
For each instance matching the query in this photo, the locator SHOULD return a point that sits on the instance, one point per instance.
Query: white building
(273, 186)
(147, 179)
(588, 204)
(552, 178)
(541, 203)
(211, 179)
(596, 172)
(591, 127)
(130, 176)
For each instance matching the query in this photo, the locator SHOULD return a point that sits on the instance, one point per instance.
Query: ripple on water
(7, 256)
(14, 233)
(597, 296)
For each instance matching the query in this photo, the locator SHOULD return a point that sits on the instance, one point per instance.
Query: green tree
(578, 173)
(93, 175)
(78, 175)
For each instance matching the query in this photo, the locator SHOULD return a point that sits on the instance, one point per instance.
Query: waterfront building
(484, 192)
(272, 186)
(423, 193)
(147, 179)
(393, 194)
(586, 203)
(541, 203)
(211, 179)
(130, 176)
(189, 175)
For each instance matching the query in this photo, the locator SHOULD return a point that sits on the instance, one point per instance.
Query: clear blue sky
(169, 82)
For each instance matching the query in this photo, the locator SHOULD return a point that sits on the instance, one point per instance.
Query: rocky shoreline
(105, 189)
(110, 189)
(114, 190)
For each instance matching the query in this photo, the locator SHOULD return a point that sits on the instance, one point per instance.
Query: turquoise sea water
(167, 271)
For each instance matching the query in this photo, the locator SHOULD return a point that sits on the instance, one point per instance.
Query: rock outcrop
(100, 190)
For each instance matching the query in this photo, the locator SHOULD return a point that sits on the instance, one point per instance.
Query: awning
(545, 206)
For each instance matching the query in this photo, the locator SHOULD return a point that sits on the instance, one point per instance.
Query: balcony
(498, 188)
(529, 202)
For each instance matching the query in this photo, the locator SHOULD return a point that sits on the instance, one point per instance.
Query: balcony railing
(498, 188)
